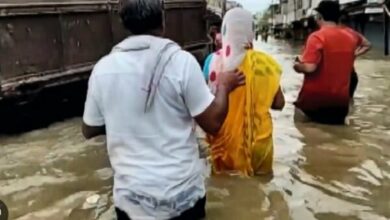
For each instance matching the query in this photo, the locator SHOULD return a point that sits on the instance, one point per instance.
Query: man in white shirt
(145, 96)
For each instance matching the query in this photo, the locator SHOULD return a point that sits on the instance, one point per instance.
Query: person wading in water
(327, 63)
(244, 145)
(145, 95)
(218, 46)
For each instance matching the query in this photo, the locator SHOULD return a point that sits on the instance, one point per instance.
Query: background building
(294, 18)
(218, 4)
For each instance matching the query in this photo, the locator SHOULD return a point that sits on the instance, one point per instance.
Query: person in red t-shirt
(327, 63)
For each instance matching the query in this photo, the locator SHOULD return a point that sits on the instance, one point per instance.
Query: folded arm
(364, 47)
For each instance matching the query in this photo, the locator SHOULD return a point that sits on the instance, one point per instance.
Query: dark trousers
(196, 213)
(332, 116)
(353, 84)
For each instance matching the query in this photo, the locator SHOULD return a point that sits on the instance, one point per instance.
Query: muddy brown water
(320, 172)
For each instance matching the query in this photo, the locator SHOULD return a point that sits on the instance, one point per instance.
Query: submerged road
(320, 172)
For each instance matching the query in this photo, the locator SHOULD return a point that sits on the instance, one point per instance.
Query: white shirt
(154, 155)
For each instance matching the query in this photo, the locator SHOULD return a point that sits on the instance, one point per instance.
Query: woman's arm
(279, 102)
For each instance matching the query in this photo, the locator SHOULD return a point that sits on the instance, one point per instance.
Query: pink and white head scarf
(237, 31)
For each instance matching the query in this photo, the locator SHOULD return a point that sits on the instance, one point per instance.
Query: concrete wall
(290, 11)
(375, 33)
(278, 19)
(306, 4)
(284, 8)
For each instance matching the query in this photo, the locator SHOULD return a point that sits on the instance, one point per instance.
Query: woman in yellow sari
(245, 143)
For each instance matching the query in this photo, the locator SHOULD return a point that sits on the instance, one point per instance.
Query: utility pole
(295, 10)
(272, 13)
(223, 8)
(386, 24)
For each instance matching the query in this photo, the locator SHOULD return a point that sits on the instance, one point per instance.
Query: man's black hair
(329, 10)
(141, 16)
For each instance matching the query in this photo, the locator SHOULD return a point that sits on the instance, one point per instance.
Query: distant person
(244, 145)
(327, 63)
(214, 30)
(217, 45)
(363, 47)
(145, 96)
(264, 34)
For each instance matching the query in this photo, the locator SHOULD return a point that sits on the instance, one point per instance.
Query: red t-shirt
(354, 34)
(333, 50)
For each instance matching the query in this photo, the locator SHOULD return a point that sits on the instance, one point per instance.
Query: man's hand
(248, 46)
(297, 62)
(305, 68)
(296, 67)
(364, 47)
(231, 80)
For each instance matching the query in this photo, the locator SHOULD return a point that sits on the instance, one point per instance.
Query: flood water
(320, 172)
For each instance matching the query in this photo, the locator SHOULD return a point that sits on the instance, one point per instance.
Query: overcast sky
(255, 5)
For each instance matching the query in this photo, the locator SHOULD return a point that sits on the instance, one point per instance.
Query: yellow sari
(245, 142)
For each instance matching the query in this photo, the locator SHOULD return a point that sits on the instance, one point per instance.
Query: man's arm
(209, 111)
(212, 119)
(92, 131)
(311, 57)
(93, 120)
(279, 102)
(305, 68)
(364, 47)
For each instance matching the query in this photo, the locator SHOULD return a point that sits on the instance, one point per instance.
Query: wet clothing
(146, 92)
(327, 91)
(244, 144)
(354, 83)
(331, 116)
(195, 213)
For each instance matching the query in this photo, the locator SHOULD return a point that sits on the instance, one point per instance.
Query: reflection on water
(321, 172)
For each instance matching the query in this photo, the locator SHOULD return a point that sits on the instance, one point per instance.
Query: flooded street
(320, 172)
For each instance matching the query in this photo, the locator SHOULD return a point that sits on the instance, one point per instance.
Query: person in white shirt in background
(145, 96)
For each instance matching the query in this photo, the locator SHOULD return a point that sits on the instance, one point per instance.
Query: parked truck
(50, 43)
